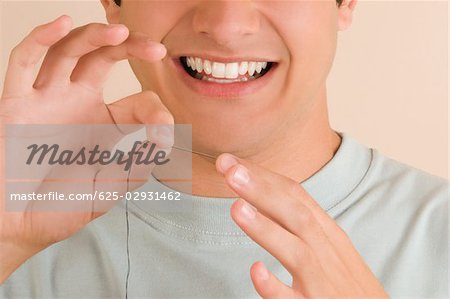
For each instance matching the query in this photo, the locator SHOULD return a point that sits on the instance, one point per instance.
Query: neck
(304, 147)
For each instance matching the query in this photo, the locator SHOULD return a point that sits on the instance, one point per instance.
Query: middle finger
(62, 57)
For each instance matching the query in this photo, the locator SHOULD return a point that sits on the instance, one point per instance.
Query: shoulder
(403, 200)
(381, 183)
(399, 221)
(405, 182)
(397, 199)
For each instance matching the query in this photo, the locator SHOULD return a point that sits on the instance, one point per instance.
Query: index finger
(267, 189)
(93, 69)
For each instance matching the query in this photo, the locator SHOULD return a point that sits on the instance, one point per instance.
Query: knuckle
(266, 187)
(151, 95)
(109, 54)
(36, 30)
(92, 31)
(162, 116)
(292, 187)
(58, 49)
(19, 57)
(342, 235)
(15, 53)
(305, 218)
(301, 253)
(155, 112)
(86, 29)
(93, 27)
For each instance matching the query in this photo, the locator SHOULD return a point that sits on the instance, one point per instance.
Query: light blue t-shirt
(396, 216)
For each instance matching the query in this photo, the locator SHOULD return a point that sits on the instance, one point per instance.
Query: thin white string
(126, 212)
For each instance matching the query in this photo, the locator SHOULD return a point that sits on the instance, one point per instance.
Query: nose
(226, 21)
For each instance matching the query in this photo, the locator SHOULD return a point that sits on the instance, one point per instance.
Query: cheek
(154, 17)
(311, 37)
(314, 37)
(313, 54)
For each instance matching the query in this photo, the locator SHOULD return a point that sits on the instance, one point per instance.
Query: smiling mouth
(224, 73)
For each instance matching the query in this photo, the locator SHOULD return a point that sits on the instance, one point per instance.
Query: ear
(345, 14)
(112, 11)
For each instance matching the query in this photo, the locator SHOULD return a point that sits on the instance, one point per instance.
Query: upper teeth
(221, 70)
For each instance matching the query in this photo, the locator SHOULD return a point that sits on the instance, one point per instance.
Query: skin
(310, 245)
(289, 114)
(288, 117)
(68, 90)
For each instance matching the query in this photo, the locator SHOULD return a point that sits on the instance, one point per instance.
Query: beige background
(388, 87)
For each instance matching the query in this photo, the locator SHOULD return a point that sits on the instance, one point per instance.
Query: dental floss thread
(126, 212)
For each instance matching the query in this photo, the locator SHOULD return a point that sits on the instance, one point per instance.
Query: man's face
(296, 39)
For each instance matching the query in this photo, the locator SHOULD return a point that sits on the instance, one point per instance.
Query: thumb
(145, 108)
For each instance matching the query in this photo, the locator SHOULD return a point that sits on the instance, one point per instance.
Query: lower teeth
(210, 79)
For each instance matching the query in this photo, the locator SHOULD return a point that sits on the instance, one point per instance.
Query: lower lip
(227, 90)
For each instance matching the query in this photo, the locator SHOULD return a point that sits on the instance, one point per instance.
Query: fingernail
(240, 175)
(248, 211)
(163, 136)
(263, 272)
(226, 162)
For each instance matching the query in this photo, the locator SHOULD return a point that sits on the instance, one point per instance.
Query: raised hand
(69, 90)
